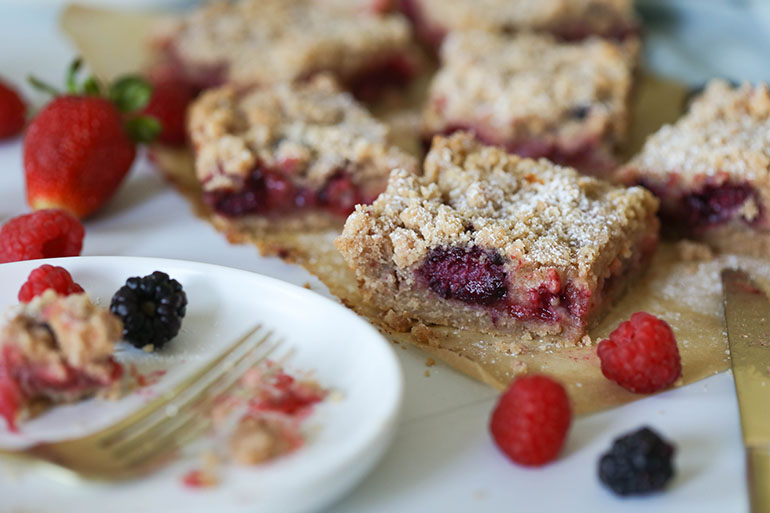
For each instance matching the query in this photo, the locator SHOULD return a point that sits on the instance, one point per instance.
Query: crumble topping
(531, 210)
(65, 330)
(279, 40)
(309, 130)
(724, 137)
(529, 84)
(261, 419)
(507, 15)
(259, 439)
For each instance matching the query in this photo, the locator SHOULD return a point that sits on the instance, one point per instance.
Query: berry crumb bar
(56, 349)
(305, 151)
(493, 242)
(535, 96)
(566, 19)
(711, 169)
(267, 41)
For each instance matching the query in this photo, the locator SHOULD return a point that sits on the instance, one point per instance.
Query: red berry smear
(531, 419)
(13, 111)
(641, 355)
(48, 277)
(42, 234)
(287, 396)
(11, 399)
(168, 104)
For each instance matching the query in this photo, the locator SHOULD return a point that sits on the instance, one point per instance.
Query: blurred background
(691, 40)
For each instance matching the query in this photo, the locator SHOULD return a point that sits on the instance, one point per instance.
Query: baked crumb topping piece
(56, 349)
(566, 19)
(288, 147)
(372, 6)
(535, 96)
(267, 41)
(491, 241)
(711, 169)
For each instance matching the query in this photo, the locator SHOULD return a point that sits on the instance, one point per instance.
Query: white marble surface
(442, 458)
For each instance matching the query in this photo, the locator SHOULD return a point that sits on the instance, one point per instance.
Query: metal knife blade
(747, 314)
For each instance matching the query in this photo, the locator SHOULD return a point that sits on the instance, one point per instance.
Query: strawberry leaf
(42, 86)
(143, 129)
(92, 87)
(130, 93)
(72, 76)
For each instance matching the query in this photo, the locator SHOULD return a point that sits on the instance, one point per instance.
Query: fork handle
(758, 473)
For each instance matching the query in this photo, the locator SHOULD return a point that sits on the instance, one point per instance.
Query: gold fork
(152, 434)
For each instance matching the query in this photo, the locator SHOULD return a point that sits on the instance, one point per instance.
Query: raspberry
(12, 112)
(42, 234)
(531, 420)
(48, 277)
(716, 204)
(151, 308)
(641, 355)
(637, 463)
(473, 276)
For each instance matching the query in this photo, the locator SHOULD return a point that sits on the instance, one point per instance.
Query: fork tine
(116, 432)
(168, 438)
(186, 434)
(184, 430)
(163, 430)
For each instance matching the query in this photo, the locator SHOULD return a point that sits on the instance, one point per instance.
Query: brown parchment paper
(681, 287)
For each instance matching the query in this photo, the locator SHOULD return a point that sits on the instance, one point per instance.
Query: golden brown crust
(528, 209)
(546, 222)
(721, 142)
(571, 17)
(312, 129)
(265, 41)
(530, 86)
(723, 136)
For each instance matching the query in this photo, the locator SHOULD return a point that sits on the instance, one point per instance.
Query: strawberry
(13, 110)
(168, 104)
(80, 147)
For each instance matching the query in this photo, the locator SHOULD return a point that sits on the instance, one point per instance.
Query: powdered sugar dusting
(473, 194)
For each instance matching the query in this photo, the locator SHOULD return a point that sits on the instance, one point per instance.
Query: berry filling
(432, 33)
(589, 157)
(174, 68)
(550, 306)
(710, 206)
(478, 277)
(715, 205)
(475, 276)
(618, 30)
(22, 380)
(387, 73)
(268, 191)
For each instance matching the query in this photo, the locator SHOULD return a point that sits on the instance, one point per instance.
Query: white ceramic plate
(346, 437)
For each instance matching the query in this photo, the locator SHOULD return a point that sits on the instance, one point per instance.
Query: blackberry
(151, 308)
(637, 463)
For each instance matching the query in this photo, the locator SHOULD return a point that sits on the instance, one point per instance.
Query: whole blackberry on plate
(637, 463)
(151, 308)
